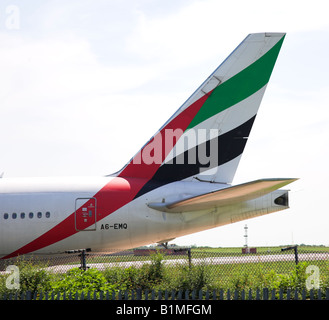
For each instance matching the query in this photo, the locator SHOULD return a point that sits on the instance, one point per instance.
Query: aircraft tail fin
(206, 136)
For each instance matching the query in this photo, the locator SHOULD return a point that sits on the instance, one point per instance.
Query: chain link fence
(186, 270)
(220, 263)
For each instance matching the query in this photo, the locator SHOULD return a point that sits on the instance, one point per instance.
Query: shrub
(32, 277)
(185, 277)
(78, 280)
(155, 270)
(241, 281)
(123, 279)
(148, 276)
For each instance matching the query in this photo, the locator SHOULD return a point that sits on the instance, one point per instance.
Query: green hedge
(155, 276)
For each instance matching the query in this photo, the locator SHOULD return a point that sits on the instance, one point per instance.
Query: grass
(159, 275)
(262, 250)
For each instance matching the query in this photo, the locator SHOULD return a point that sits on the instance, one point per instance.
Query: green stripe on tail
(239, 87)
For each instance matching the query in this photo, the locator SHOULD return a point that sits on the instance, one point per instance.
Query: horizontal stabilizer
(242, 192)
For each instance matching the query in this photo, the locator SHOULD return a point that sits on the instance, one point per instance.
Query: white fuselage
(48, 215)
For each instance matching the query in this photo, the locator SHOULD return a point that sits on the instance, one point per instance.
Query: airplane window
(14, 215)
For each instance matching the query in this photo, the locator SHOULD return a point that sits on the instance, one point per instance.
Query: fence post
(189, 257)
(288, 293)
(281, 294)
(295, 250)
(296, 294)
(28, 295)
(265, 293)
(250, 295)
(214, 295)
(82, 256)
(311, 294)
(173, 294)
(139, 294)
(83, 260)
(296, 255)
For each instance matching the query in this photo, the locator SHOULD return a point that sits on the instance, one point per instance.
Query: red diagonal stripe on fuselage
(132, 178)
(113, 196)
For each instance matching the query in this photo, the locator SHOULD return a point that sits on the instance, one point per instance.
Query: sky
(84, 84)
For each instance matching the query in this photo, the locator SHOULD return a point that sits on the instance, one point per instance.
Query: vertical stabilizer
(206, 136)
